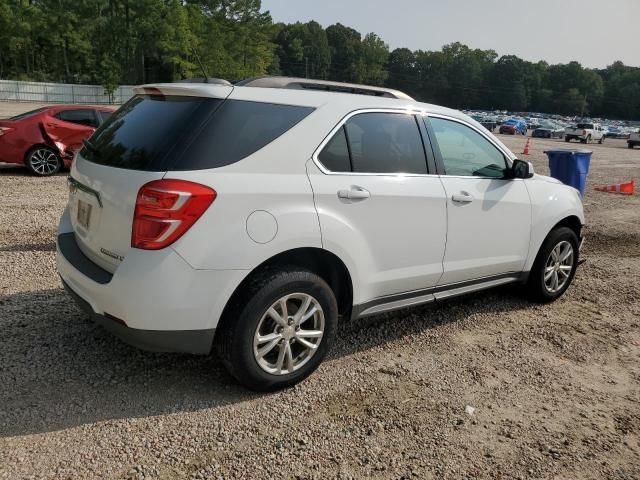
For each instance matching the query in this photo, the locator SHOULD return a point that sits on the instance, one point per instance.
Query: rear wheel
(278, 330)
(630, 145)
(554, 267)
(43, 161)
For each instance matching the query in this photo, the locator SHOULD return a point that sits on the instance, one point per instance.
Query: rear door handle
(354, 193)
(462, 197)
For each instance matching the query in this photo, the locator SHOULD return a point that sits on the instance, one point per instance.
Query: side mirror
(521, 169)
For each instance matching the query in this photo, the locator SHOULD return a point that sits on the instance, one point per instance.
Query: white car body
(404, 239)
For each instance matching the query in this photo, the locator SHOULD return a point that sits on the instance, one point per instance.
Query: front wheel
(555, 266)
(43, 162)
(601, 141)
(279, 329)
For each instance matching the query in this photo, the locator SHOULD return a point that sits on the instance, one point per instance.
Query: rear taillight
(166, 209)
(4, 130)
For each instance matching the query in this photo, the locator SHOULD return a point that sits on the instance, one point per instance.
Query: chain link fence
(42, 92)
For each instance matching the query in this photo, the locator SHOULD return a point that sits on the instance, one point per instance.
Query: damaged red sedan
(46, 139)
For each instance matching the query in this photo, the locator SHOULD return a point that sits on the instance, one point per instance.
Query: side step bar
(421, 297)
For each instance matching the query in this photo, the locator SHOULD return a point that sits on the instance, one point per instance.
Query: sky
(594, 32)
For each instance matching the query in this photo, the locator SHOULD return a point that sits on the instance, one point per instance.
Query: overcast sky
(594, 32)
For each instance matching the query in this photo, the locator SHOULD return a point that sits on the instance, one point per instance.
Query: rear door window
(335, 155)
(81, 117)
(159, 133)
(376, 143)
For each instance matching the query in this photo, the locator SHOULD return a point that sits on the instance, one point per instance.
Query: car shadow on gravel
(59, 370)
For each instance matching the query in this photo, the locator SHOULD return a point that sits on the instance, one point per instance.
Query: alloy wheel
(558, 267)
(44, 162)
(288, 334)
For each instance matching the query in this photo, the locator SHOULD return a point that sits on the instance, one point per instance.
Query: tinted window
(585, 126)
(104, 116)
(157, 133)
(335, 155)
(465, 152)
(81, 117)
(385, 143)
(146, 129)
(27, 114)
(237, 130)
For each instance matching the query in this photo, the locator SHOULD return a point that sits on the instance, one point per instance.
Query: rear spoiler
(210, 90)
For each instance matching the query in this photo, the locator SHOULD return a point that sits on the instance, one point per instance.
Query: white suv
(254, 216)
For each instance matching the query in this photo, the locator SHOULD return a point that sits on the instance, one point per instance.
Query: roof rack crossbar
(324, 85)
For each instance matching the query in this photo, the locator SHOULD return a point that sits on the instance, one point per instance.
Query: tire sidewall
(244, 365)
(537, 287)
(33, 171)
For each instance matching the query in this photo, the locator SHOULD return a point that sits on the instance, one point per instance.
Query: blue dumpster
(570, 167)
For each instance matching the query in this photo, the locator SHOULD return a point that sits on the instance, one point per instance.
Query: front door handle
(354, 193)
(462, 197)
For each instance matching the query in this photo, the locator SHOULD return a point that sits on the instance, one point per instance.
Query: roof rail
(212, 81)
(324, 85)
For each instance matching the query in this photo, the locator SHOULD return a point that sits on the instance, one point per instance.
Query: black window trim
(431, 164)
(436, 148)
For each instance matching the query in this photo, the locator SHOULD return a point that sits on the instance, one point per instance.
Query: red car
(45, 139)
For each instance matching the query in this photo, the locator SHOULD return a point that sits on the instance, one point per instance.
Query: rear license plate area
(83, 215)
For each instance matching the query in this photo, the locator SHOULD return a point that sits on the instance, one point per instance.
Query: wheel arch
(571, 221)
(322, 262)
(36, 146)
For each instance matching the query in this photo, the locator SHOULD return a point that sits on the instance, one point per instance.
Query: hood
(544, 178)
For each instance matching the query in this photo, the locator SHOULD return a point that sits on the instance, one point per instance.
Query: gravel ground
(487, 386)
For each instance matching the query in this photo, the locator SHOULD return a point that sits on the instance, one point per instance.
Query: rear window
(586, 126)
(27, 114)
(159, 133)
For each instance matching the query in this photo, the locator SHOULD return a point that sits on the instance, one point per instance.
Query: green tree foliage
(112, 42)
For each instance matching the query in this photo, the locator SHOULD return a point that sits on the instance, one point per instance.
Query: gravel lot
(554, 390)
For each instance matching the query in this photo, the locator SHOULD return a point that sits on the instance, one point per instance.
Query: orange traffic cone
(526, 148)
(624, 188)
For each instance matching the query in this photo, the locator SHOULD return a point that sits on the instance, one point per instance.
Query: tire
(43, 161)
(541, 290)
(567, 139)
(601, 141)
(630, 145)
(248, 318)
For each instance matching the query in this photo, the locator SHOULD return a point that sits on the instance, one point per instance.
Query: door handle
(354, 193)
(462, 197)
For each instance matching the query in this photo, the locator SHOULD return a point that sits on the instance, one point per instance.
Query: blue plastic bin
(571, 167)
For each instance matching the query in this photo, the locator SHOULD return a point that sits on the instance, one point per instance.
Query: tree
(374, 56)
(344, 43)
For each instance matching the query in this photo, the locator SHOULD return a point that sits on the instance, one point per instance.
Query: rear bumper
(197, 342)
(154, 300)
